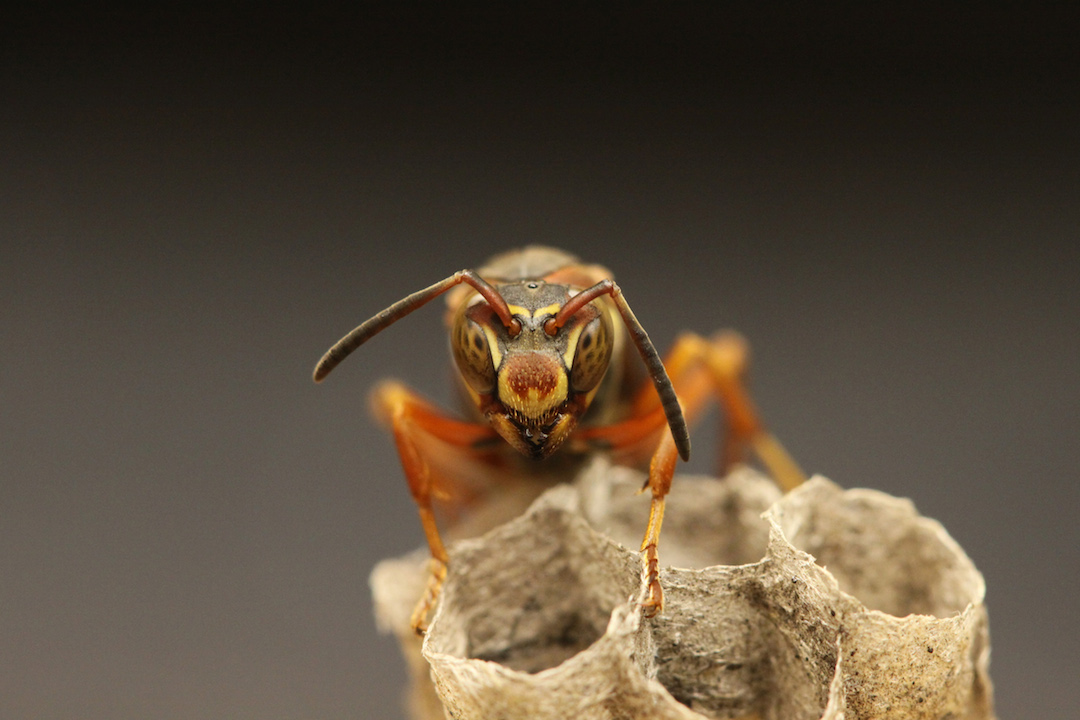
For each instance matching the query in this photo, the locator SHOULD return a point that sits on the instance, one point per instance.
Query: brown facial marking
(532, 371)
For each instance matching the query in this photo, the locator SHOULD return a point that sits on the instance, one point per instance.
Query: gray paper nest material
(824, 603)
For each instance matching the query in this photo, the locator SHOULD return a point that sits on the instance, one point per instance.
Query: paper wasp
(541, 344)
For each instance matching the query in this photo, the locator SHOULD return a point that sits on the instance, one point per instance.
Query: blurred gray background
(194, 205)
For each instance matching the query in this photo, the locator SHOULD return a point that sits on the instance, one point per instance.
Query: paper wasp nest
(824, 603)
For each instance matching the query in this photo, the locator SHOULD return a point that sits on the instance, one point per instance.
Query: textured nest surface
(824, 603)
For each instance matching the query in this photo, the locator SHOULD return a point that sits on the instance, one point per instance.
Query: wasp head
(532, 381)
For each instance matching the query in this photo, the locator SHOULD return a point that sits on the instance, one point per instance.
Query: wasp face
(532, 386)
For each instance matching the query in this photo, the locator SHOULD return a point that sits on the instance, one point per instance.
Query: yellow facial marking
(571, 344)
(539, 312)
(493, 345)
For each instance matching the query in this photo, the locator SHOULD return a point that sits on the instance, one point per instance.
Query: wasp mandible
(542, 344)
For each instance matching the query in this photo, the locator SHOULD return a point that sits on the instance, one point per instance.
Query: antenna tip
(684, 449)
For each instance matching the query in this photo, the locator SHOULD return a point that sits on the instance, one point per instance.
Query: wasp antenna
(668, 399)
(373, 326)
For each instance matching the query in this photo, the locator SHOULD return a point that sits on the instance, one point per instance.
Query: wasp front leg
(423, 433)
(701, 370)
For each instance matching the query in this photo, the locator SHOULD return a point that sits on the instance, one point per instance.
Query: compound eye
(473, 355)
(592, 355)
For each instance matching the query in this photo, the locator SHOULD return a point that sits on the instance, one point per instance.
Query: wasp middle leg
(726, 357)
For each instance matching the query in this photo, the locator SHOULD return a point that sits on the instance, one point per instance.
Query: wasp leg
(661, 472)
(727, 357)
(700, 370)
(627, 440)
(415, 424)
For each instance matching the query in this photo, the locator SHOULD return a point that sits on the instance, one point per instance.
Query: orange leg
(417, 426)
(699, 369)
(728, 358)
